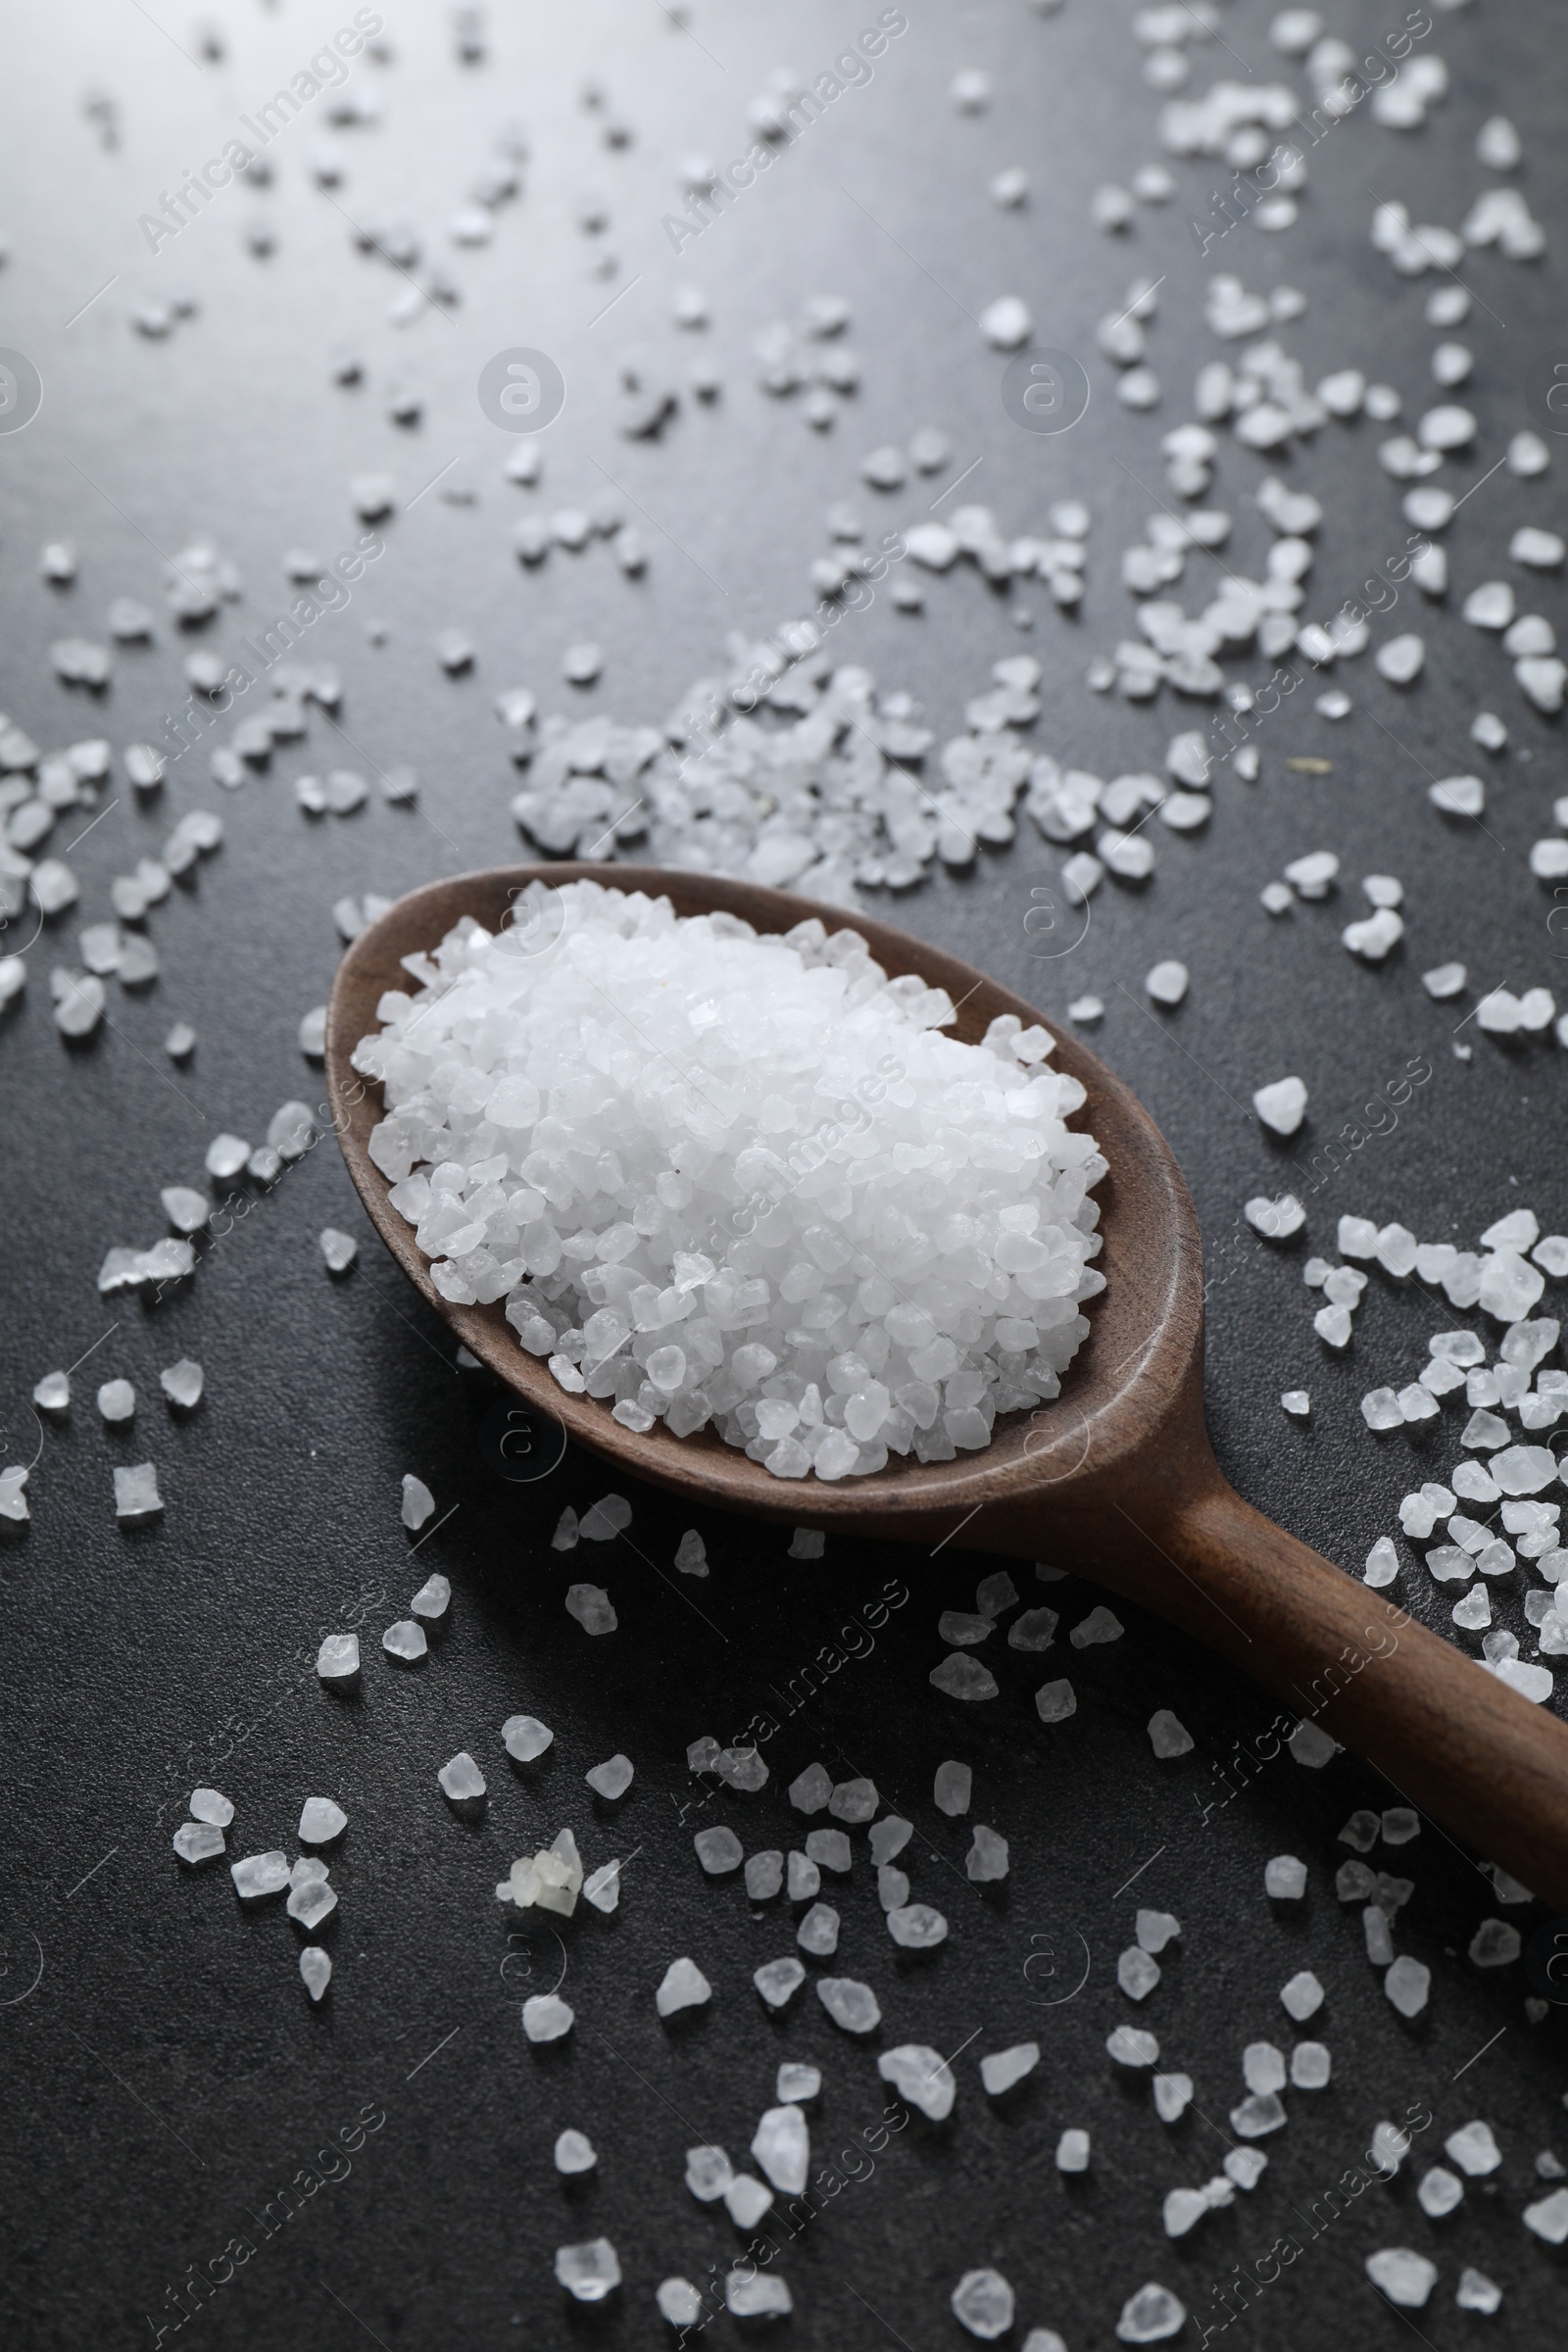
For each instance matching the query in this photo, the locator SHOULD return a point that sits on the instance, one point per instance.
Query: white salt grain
(418, 1501)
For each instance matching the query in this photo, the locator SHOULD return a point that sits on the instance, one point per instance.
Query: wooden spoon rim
(1145, 1327)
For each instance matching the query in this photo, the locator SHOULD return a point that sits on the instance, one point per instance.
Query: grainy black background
(165, 2074)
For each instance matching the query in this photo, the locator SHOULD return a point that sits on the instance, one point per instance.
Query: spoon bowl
(1114, 1479)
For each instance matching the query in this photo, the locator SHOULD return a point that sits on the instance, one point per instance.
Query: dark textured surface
(165, 2075)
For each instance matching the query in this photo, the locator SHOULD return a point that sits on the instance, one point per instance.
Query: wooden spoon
(1115, 1480)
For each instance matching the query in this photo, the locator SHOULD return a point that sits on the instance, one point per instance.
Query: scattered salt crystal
(778, 1980)
(1167, 982)
(418, 1501)
(311, 1900)
(888, 1837)
(197, 1841)
(1302, 1997)
(136, 1495)
(1402, 660)
(982, 2303)
(1072, 2152)
(1276, 1220)
(682, 1987)
(605, 1519)
(781, 2144)
(1281, 1107)
(1405, 2277)
(316, 1970)
(915, 1926)
(612, 1779)
(405, 1640)
(920, 2076)
(1101, 1624)
(960, 1677)
(1168, 1737)
(1408, 1984)
(849, 2003)
(1547, 2220)
(340, 1249)
(1002, 2069)
(117, 1400)
(462, 1780)
(589, 2272)
(1151, 2315)
(691, 1555)
(591, 1605)
(829, 1849)
(1056, 1701)
(1296, 1402)
(257, 1875)
(1173, 2094)
(1006, 323)
(546, 2017)
(1129, 2045)
(575, 2153)
(1257, 2115)
(756, 2294)
(718, 1850)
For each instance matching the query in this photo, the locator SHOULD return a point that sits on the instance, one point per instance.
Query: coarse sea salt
(740, 1180)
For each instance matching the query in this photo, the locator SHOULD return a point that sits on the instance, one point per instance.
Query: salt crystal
(605, 1519)
(1002, 2069)
(591, 1605)
(982, 2303)
(756, 2294)
(1276, 1220)
(1006, 323)
(849, 2003)
(1129, 2045)
(575, 2153)
(1173, 2094)
(117, 1400)
(339, 1249)
(136, 1495)
(953, 1788)
(1547, 2220)
(405, 1640)
(1257, 2115)
(778, 1980)
(1402, 660)
(257, 1875)
(338, 1658)
(1281, 1107)
(1168, 1737)
(316, 1970)
(612, 1779)
(888, 1837)
(1302, 1997)
(1056, 1701)
(462, 1780)
(1101, 1624)
(1296, 1402)
(197, 1841)
(311, 1900)
(781, 2145)
(810, 1790)
(709, 2173)
(682, 1987)
(1408, 1984)
(920, 2076)
(718, 1850)
(589, 2272)
(418, 1501)
(691, 1555)
(320, 1821)
(546, 2017)
(1151, 2315)
(915, 1926)
(1405, 2277)
(1034, 1629)
(960, 1677)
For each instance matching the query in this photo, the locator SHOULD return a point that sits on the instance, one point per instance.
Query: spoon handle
(1455, 1741)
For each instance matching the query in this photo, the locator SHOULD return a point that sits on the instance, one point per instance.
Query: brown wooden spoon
(1117, 1480)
